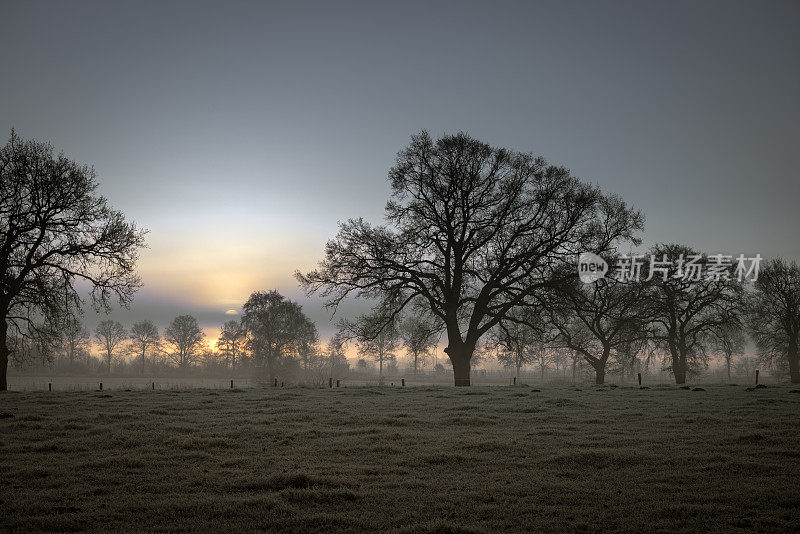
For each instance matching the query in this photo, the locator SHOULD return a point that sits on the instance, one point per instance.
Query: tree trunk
(4, 352)
(678, 365)
(728, 365)
(599, 374)
(679, 369)
(460, 359)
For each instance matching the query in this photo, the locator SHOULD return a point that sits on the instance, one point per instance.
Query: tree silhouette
(595, 319)
(419, 335)
(516, 343)
(186, 339)
(473, 231)
(686, 312)
(144, 336)
(56, 231)
(110, 334)
(275, 327)
(230, 341)
(774, 314)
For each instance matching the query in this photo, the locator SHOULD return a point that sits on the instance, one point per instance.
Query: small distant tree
(515, 344)
(275, 328)
(729, 340)
(336, 359)
(185, 338)
(58, 236)
(305, 344)
(144, 337)
(110, 334)
(377, 338)
(774, 315)
(419, 335)
(231, 340)
(74, 341)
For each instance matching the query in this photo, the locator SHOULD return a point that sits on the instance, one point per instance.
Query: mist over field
(446, 267)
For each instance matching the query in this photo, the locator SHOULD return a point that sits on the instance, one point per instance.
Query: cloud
(231, 312)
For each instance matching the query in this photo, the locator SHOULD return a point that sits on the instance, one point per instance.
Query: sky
(240, 133)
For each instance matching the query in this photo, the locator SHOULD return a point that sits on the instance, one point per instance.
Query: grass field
(402, 459)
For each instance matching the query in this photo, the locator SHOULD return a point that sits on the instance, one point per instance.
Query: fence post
(154, 386)
(756, 376)
(330, 382)
(275, 384)
(403, 382)
(281, 383)
(515, 381)
(231, 384)
(101, 386)
(639, 375)
(337, 383)
(49, 387)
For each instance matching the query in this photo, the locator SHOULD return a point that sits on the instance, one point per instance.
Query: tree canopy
(473, 231)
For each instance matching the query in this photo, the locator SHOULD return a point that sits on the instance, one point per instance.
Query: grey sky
(243, 132)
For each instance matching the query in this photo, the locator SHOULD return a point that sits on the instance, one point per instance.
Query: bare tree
(729, 340)
(144, 337)
(185, 338)
(685, 309)
(515, 343)
(419, 335)
(74, 340)
(774, 315)
(110, 334)
(473, 231)
(54, 232)
(337, 363)
(231, 340)
(376, 339)
(595, 319)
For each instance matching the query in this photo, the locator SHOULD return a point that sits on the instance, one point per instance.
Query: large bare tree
(56, 234)
(472, 230)
(774, 314)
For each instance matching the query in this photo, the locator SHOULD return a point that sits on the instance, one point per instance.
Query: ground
(402, 459)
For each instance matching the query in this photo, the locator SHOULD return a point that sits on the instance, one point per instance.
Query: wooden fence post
(515, 381)
(231, 384)
(756, 376)
(337, 383)
(50, 387)
(403, 382)
(154, 386)
(330, 382)
(275, 384)
(639, 375)
(101, 386)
